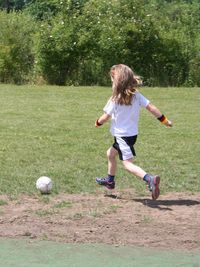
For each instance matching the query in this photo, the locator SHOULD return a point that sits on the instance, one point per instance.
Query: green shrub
(77, 41)
(16, 42)
(56, 50)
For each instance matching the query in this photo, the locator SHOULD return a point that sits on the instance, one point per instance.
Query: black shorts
(124, 146)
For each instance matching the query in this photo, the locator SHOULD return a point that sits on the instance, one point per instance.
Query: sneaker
(154, 186)
(105, 182)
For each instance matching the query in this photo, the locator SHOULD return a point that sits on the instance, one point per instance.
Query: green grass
(50, 131)
(63, 204)
(3, 202)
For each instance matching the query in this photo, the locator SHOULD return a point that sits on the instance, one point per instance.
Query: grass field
(50, 131)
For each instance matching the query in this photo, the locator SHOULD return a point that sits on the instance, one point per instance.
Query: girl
(123, 108)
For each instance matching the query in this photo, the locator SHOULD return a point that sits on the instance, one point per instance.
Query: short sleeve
(109, 107)
(143, 101)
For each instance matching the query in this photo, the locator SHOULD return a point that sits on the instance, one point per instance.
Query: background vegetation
(77, 41)
(49, 130)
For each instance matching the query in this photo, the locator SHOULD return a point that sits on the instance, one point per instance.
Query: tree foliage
(16, 41)
(77, 41)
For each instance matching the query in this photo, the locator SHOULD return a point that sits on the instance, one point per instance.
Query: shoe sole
(156, 192)
(108, 186)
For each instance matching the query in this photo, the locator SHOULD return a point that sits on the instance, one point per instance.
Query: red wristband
(161, 118)
(98, 124)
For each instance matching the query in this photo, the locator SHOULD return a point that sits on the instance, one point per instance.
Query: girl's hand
(97, 124)
(168, 123)
(100, 121)
(164, 120)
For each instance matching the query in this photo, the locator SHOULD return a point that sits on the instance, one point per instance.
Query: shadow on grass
(159, 204)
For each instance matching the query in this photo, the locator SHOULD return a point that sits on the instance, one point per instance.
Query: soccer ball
(44, 184)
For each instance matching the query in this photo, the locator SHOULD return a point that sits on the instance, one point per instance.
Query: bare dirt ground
(120, 218)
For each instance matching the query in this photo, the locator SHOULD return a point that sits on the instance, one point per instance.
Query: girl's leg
(153, 181)
(134, 169)
(112, 162)
(109, 181)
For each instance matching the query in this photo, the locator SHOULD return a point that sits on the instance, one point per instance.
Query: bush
(77, 41)
(56, 50)
(16, 42)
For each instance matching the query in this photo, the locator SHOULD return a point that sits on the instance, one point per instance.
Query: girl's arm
(104, 118)
(156, 112)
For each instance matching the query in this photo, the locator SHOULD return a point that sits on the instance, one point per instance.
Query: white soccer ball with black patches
(44, 184)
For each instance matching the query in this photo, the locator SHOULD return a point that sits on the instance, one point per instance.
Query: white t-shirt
(125, 117)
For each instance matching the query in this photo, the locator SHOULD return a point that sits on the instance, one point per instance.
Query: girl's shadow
(159, 204)
(165, 204)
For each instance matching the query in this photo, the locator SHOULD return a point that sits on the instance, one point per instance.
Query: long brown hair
(125, 84)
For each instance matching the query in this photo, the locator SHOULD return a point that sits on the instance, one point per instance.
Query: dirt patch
(172, 222)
